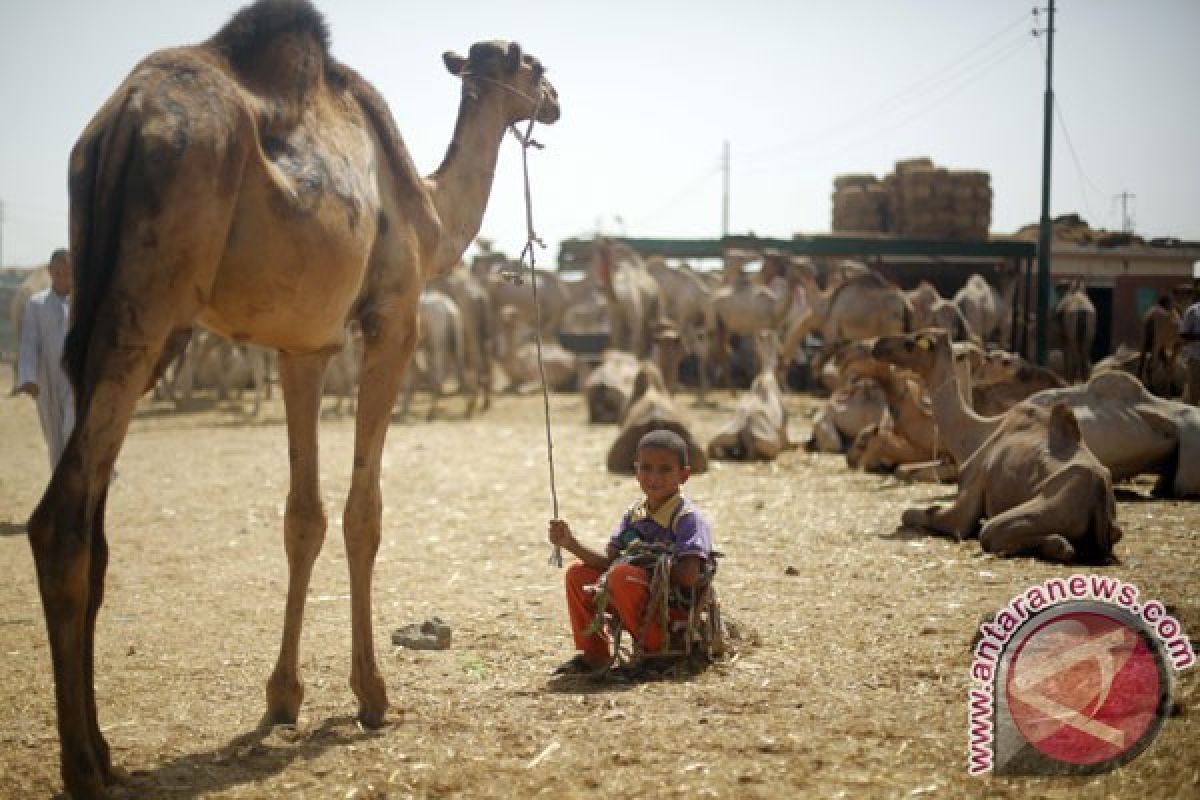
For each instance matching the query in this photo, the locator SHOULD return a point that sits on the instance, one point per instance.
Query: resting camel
(743, 309)
(931, 310)
(255, 185)
(650, 408)
(1038, 486)
(1005, 379)
(520, 361)
(609, 386)
(1075, 318)
(758, 429)
(1129, 430)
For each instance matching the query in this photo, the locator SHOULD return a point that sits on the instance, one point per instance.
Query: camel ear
(454, 62)
(1064, 427)
(514, 58)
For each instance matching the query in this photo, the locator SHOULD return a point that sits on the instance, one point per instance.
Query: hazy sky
(650, 89)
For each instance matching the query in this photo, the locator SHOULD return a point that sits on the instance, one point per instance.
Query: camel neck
(960, 428)
(461, 185)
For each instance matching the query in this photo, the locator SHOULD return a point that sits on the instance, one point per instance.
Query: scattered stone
(432, 634)
(791, 571)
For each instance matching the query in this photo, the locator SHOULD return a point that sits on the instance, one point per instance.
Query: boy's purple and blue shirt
(678, 522)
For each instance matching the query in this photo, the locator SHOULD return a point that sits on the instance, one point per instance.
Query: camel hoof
(372, 719)
(90, 787)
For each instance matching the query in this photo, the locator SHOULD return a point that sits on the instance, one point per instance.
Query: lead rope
(532, 239)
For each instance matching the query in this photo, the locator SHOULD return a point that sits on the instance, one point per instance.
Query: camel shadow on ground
(245, 759)
(12, 528)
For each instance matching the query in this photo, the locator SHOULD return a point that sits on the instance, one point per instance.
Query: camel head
(501, 67)
(921, 351)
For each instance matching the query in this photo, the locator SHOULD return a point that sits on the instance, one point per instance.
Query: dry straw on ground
(856, 689)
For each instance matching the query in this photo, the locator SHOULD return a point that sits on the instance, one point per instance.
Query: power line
(943, 74)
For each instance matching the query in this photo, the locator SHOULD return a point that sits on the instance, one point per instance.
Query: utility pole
(1044, 226)
(1, 233)
(725, 191)
(1126, 222)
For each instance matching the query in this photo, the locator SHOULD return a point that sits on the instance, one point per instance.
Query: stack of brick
(918, 199)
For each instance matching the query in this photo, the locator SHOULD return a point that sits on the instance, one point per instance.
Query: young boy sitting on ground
(663, 516)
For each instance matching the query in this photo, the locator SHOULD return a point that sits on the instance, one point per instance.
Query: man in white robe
(40, 372)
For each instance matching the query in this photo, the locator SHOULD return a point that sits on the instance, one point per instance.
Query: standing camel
(254, 184)
(1075, 317)
(632, 293)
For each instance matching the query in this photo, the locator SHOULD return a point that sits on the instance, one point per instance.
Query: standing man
(39, 370)
(1189, 331)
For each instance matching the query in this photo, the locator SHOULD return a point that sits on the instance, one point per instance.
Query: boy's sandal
(576, 666)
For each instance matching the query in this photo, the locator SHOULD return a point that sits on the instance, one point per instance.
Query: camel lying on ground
(650, 408)
(1005, 379)
(255, 185)
(1040, 489)
(1129, 430)
(758, 429)
(520, 360)
(609, 385)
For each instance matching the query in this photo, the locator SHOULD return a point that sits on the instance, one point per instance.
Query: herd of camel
(257, 187)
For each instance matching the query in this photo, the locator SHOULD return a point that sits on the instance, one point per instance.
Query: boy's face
(659, 474)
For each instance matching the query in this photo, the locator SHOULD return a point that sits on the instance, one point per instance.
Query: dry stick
(531, 239)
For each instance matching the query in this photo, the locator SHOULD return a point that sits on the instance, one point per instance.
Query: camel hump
(1118, 386)
(276, 44)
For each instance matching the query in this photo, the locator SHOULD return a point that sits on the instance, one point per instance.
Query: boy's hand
(560, 534)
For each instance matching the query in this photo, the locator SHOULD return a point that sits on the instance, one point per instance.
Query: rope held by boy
(532, 239)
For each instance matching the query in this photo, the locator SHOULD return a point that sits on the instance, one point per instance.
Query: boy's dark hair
(58, 254)
(663, 439)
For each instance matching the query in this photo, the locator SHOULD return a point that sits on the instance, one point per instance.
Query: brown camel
(1129, 430)
(1005, 379)
(931, 310)
(634, 309)
(520, 360)
(743, 309)
(1040, 489)
(758, 429)
(650, 408)
(609, 386)
(478, 326)
(256, 185)
(1075, 319)
(1161, 347)
(988, 310)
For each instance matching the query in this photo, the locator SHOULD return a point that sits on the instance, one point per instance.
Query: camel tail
(99, 163)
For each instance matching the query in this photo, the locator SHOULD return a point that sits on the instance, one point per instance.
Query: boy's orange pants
(628, 593)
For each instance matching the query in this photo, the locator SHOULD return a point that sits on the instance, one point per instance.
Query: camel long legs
(66, 534)
(386, 356)
(304, 522)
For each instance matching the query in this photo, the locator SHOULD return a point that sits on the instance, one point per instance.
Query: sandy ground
(856, 688)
